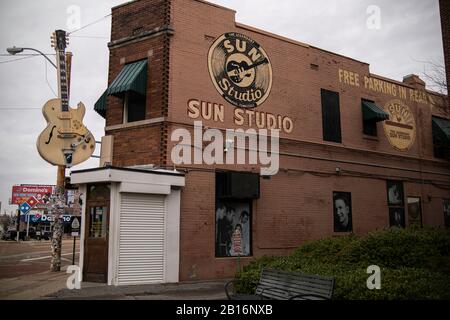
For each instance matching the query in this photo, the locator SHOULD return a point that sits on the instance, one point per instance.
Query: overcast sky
(408, 34)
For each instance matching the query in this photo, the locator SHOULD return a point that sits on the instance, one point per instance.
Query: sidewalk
(33, 286)
(205, 290)
(52, 285)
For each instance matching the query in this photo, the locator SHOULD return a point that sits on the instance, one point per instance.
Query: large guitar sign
(65, 141)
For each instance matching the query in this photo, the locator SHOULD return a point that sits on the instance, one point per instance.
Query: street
(29, 257)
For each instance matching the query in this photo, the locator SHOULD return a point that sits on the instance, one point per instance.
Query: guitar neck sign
(62, 76)
(240, 70)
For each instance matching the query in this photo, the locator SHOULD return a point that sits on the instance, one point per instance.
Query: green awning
(100, 105)
(441, 130)
(133, 77)
(371, 112)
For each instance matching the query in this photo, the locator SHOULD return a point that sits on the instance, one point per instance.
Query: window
(331, 116)
(395, 199)
(441, 138)
(234, 194)
(414, 212)
(372, 114)
(130, 85)
(233, 228)
(370, 128)
(133, 107)
(97, 222)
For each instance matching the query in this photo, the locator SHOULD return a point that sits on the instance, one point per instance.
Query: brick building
(357, 151)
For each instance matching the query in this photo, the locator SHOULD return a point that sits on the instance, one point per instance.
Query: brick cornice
(159, 31)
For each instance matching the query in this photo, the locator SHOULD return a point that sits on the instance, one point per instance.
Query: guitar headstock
(60, 40)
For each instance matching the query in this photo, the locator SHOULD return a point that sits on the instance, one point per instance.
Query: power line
(91, 37)
(89, 24)
(13, 60)
(26, 54)
(20, 108)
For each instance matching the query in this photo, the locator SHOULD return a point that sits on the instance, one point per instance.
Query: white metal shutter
(141, 239)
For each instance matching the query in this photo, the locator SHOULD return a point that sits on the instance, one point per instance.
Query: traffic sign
(32, 201)
(75, 224)
(75, 227)
(25, 207)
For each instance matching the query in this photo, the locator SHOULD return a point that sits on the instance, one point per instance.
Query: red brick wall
(133, 146)
(139, 31)
(139, 16)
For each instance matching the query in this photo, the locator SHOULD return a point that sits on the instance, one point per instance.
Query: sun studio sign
(240, 70)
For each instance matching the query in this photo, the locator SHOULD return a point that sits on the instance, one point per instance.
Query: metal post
(73, 255)
(18, 223)
(28, 224)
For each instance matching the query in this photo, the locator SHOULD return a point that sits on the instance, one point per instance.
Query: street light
(15, 50)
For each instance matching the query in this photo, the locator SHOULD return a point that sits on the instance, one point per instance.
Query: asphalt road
(28, 257)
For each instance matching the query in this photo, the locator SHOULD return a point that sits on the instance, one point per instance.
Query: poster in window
(342, 212)
(233, 226)
(447, 213)
(397, 217)
(395, 193)
(414, 212)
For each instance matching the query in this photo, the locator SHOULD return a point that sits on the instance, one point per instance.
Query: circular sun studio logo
(240, 70)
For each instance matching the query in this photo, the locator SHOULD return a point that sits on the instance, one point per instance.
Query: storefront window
(233, 228)
(97, 222)
(414, 212)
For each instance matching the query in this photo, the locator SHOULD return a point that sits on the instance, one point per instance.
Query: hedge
(415, 264)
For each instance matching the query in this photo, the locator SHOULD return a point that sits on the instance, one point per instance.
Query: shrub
(415, 264)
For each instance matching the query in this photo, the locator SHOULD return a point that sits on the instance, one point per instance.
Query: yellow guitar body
(65, 141)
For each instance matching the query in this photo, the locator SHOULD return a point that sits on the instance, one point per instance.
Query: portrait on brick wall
(397, 217)
(395, 193)
(342, 212)
(233, 220)
(447, 213)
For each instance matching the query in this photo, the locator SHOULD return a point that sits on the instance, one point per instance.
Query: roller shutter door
(141, 239)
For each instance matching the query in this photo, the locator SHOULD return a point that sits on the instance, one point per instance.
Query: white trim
(144, 188)
(83, 192)
(113, 234)
(172, 240)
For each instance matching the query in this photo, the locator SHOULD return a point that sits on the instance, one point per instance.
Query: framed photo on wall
(233, 225)
(397, 217)
(414, 212)
(447, 213)
(342, 211)
(395, 193)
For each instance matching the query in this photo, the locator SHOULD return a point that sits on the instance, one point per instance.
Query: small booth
(131, 225)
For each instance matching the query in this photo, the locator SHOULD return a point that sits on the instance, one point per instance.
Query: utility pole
(18, 223)
(60, 193)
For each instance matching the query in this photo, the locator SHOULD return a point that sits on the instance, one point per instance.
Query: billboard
(21, 193)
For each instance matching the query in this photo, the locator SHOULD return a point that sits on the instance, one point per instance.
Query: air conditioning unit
(237, 185)
(106, 151)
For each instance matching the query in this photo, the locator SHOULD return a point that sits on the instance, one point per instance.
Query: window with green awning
(372, 112)
(131, 81)
(371, 115)
(441, 137)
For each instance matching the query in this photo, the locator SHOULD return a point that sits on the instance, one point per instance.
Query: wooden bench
(284, 285)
